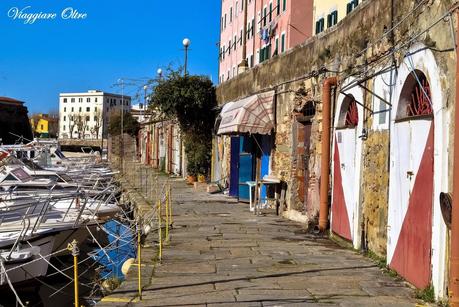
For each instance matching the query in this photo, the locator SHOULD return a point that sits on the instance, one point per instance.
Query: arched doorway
(346, 166)
(412, 182)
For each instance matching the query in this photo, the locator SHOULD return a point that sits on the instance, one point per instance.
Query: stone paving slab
(220, 254)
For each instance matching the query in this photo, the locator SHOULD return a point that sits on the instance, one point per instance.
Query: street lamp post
(186, 43)
(122, 126)
(145, 87)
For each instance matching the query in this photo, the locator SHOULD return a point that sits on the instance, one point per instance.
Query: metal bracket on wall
(356, 101)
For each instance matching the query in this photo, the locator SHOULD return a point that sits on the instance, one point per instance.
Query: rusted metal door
(303, 153)
(411, 191)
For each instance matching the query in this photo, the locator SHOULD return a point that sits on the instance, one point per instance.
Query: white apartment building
(86, 115)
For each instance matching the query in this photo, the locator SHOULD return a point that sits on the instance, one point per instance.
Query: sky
(128, 39)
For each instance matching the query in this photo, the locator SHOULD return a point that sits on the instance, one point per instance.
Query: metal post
(122, 126)
(73, 247)
(167, 215)
(139, 256)
(186, 59)
(170, 206)
(160, 254)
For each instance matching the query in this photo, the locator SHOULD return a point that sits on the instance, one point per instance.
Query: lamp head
(186, 42)
(159, 71)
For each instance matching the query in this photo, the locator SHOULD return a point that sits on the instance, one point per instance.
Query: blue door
(246, 166)
(266, 146)
(234, 167)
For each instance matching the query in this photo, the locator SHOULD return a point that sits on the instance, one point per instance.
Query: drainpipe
(454, 260)
(325, 162)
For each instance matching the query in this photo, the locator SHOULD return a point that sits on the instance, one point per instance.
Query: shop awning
(254, 114)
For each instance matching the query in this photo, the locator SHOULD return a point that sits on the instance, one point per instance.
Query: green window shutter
(265, 14)
(270, 12)
(283, 43)
(278, 7)
(284, 5)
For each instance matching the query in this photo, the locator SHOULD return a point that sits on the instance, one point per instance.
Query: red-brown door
(302, 156)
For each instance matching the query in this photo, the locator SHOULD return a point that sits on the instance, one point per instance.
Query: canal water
(57, 290)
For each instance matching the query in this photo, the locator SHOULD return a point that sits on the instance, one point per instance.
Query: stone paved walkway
(222, 255)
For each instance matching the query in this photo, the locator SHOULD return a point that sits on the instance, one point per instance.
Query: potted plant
(201, 178)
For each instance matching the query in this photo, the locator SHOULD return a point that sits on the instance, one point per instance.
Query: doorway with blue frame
(250, 156)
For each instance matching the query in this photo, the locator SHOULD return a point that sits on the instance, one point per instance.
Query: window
(224, 51)
(65, 118)
(95, 99)
(80, 109)
(270, 11)
(222, 24)
(95, 109)
(320, 25)
(225, 21)
(415, 99)
(278, 7)
(231, 14)
(41, 127)
(251, 60)
(72, 109)
(235, 42)
(332, 19)
(88, 109)
(265, 14)
(276, 50)
(235, 10)
(229, 47)
(80, 99)
(65, 109)
(349, 113)
(265, 53)
(88, 99)
(63, 128)
(253, 27)
(284, 4)
(283, 42)
(72, 99)
(87, 118)
(242, 38)
(351, 6)
(65, 100)
(95, 118)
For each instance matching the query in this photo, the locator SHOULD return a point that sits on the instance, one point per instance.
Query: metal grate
(352, 115)
(420, 99)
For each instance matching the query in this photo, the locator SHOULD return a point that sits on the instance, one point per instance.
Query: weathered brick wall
(342, 50)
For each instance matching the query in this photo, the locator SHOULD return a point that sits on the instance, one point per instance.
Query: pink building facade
(273, 27)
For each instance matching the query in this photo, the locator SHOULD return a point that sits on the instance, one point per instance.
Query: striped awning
(254, 114)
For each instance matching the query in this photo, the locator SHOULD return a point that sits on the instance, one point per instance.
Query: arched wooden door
(346, 170)
(412, 183)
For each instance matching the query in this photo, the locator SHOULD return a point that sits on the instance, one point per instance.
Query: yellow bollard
(160, 231)
(167, 216)
(139, 256)
(170, 206)
(73, 247)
